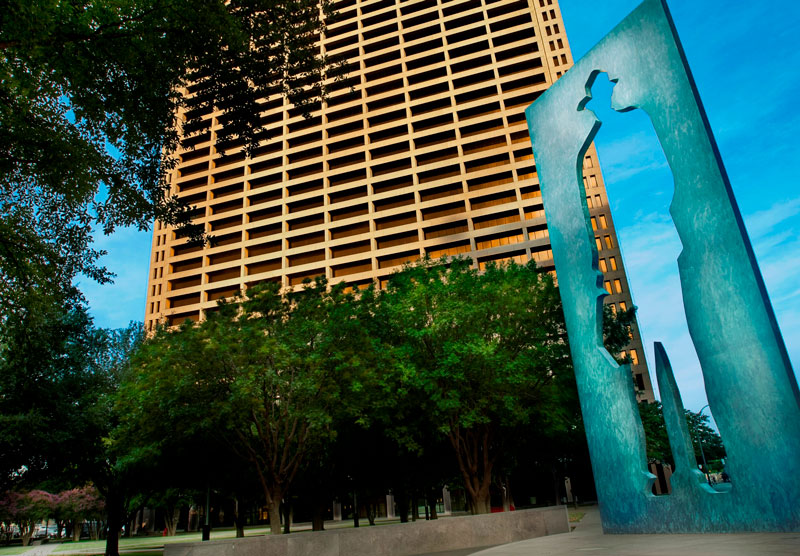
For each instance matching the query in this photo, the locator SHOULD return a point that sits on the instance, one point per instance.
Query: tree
(617, 330)
(94, 97)
(265, 373)
(481, 351)
(59, 374)
(76, 506)
(120, 481)
(655, 431)
(47, 357)
(703, 436)
(26, 510)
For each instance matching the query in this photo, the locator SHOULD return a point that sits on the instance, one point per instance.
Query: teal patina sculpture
(749, 380)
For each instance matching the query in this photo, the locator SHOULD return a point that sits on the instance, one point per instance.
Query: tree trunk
(355, 509)
(275, 515)
(556, 486)
(318, 517)
(432, 503)
(287, 516)
(26, 531)
(401, 498)
(77, 529)
(475, 464)
(482, 505)
(114, 512)
(95, 530)
(238, 520)
(414, 506)
(318, 521)
(171, 517)
(372, 511)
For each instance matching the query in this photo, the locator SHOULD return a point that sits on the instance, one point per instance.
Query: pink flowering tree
(25, 510)
(78, 505)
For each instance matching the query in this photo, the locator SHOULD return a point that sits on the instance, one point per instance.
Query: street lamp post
(702, 453)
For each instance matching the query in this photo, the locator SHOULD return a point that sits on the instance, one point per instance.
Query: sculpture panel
(751, 388)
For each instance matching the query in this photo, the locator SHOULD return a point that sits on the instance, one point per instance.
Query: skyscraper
(423, 149)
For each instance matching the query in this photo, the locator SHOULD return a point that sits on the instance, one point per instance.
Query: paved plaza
(588, 537)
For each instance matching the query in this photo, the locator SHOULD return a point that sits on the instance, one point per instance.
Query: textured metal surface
(750, 384)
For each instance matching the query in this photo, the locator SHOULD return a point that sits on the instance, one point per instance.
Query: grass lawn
(576, 516)
(14, 550)
(148, 545)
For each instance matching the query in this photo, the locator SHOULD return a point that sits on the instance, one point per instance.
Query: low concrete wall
(401, 539)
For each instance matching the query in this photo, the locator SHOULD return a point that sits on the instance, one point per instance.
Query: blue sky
(745, 61)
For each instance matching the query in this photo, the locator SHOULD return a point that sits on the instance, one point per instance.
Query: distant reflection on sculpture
(751, 387)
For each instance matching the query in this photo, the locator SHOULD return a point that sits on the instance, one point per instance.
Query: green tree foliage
(47, 360)
(93, 97)
(59, 375)
(318, 393)
(26, 510)
(617, 332)
(74, 506)
(266, 374)
(480, 354)
(120, 483)
(655, 432)
(658, 447)
(705, 436)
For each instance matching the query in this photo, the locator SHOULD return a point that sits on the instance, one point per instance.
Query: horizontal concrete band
(405, 539)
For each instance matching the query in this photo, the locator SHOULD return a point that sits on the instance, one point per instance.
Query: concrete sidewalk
(589, 537)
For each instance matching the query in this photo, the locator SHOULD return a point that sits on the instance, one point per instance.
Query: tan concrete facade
(424, 149)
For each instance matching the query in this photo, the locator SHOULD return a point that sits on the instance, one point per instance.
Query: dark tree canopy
(267, 374)
(658, 447)
(481, 353)
(47, 363)
(93, 97)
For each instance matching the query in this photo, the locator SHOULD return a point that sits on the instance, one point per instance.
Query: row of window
(213, 294)
(417, 57)
(281, 222)
(268, 245)
(421, 146)
(350, 184)
(383, 30)
(443, 111)
(354, 184)
(194, 176)
(409, 12)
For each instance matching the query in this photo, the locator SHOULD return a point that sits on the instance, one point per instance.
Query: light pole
(702, 453)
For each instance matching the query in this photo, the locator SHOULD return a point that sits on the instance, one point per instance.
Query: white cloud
(650, 248)
(764, 221)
